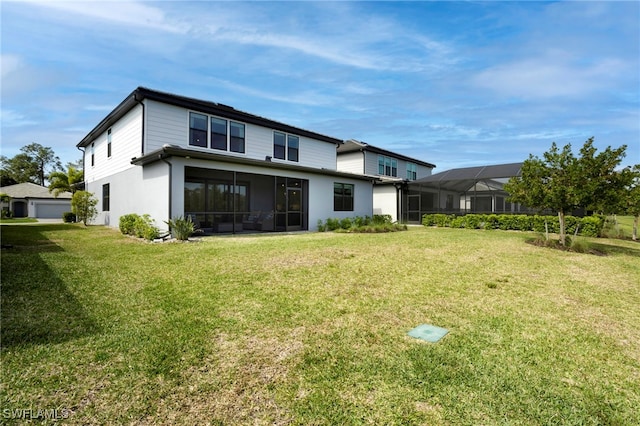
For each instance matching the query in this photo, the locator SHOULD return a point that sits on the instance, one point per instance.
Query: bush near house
(68, 217)
(181, 228)
(139, 226)
(363, 224)
(590, 226)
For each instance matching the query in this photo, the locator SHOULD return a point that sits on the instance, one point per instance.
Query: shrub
(144, 227)
(321, 226)
(181, 228)
(381, 219)
(345, 223)
(83, 204)
(332, 224)
(591, 226)
(127, 223)
(68, 217)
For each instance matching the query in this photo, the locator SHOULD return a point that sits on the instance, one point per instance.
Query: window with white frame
(109, 143)
(216, 133)
(286, 147)
(387, 166)
(412, 171)
(198, 130)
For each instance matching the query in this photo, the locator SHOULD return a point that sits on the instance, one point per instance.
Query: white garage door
(51, 211)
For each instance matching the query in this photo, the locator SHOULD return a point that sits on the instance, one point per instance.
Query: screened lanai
(465, 190)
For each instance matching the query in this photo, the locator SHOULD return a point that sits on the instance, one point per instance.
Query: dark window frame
(106, 197)
(217, 138)
(197, 134)
(343, 197)
(237, 142)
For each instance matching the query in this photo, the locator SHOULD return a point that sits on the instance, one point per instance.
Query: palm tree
(65, 182)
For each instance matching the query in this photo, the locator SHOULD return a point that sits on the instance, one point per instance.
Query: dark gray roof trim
(199, 105)
(355, 146)
(475, 173)
(176, 151)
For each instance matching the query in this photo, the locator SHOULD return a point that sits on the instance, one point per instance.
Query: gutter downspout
(139, 101)
(84, 176)
(164, 160)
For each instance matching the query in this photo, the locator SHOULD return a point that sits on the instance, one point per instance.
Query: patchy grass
(311, 328)
(10, 220)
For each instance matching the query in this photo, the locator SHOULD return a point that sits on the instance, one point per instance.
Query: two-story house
(394, 171)
(168, 156)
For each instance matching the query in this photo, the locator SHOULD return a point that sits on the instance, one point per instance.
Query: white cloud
(11, 118)
(128, 13)
(549, 76)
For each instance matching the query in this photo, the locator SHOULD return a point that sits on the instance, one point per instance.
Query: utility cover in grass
(428, 332)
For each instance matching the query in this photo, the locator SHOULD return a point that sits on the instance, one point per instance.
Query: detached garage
(31, 200)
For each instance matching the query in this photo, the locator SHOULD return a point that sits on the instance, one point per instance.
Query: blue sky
(456, 84)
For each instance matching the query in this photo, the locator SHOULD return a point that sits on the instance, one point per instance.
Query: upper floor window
(236, 143)
(218, 133)
(93, 151)
(286, 147)
(279, 145)
(412, 171)
(108, 143)
(197, 130)
(387, 166)
(293, 144)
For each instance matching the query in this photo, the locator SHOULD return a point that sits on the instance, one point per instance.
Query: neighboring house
(464, 190)
(31, 200)
(168, 156)
(393, 171)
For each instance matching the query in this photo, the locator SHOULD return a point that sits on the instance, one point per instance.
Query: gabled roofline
(363, 146)
(176, 151)
(141, 93)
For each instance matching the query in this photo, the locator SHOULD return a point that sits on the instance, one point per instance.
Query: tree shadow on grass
(615, 249)
(36, 305)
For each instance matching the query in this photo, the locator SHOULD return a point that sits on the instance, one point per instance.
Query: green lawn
(312, 329)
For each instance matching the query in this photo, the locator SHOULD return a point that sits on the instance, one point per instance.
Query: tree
(31, 165)
(630, 203)
(83, 204)
(18, 169)
(563, 182)
(65, 182)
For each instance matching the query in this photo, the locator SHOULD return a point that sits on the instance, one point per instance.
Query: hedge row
(590, 226)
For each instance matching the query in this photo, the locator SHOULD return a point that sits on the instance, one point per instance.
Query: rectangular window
(109, 143)
(218, 133)
(387, 166)
(412, 171)
(237, 137)
(286, 147)
(343, 197)
(105, 197)
(93, 151)
(279, 143)
(198, 130)
(293, 142)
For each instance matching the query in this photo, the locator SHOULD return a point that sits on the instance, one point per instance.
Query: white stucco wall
(385, 201)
